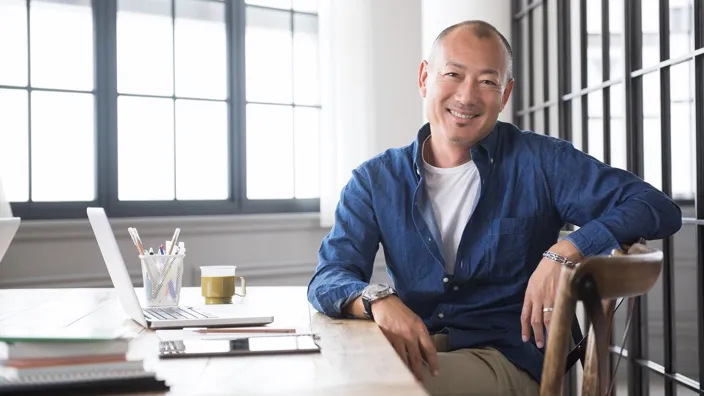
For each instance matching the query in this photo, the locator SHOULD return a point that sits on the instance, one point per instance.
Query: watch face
(373, 292)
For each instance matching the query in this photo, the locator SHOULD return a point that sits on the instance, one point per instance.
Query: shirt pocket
(510, 241)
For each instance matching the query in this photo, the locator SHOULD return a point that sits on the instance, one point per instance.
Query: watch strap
(367, 308)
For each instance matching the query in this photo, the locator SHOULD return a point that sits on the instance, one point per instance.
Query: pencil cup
(162, 276)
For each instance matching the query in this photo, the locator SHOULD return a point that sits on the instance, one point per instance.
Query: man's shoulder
(527, 137)
(389, 160)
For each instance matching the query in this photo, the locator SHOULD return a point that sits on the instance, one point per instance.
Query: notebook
(105, 378)
(31, 348)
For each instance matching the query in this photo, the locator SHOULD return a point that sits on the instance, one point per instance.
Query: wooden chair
(598, 282)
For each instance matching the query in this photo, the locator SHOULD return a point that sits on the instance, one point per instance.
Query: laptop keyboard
(175, 313)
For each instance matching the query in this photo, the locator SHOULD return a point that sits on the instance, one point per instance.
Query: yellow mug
(217, 284)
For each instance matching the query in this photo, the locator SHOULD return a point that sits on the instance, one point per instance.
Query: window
(283, 102)
(172, 100)
(593, 100)
(628, 75)
(168, 107)
(47, 133)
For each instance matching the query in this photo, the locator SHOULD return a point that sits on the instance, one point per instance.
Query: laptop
(156, 317)
(8, 229)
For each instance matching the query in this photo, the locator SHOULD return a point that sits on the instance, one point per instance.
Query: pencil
(244, 330)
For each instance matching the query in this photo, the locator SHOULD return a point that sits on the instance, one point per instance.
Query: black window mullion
(667, 243)
(634, 86)
(546, 70)
(699, 202)
(606, 70)
(236, 27)
(583, 73)
(606, 120)
(529, 77)
(110, 99)
(105, 17)
(563, 65)
(517, 49)
(637, 377)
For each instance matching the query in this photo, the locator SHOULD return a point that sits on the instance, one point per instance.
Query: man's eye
(452, 74)
(488, 82)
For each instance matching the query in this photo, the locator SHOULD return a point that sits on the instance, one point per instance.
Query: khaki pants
(482, 371)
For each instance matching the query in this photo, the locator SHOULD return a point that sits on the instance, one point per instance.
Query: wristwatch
(375, 292)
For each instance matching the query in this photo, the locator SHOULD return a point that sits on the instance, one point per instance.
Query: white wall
(268, 249)
(369, 68)
(396, 35)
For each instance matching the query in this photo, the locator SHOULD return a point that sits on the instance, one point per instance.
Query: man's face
(465, 85)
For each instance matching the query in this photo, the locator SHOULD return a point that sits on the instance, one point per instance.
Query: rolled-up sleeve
(610, 205)
(346, 254)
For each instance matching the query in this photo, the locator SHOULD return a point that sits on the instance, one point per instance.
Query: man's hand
(407, 334)
(540, 293)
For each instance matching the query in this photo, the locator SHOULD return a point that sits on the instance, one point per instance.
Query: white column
(370, 54)
(439, 14)
(5, 208)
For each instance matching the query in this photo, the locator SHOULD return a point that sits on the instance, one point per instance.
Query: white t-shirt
(453, 193)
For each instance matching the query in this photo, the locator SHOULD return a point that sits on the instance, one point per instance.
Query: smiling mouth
(462, 115)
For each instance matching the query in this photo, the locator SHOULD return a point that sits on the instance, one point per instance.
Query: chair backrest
(597, 282)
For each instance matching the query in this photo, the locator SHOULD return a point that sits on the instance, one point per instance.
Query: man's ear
(423, 78)
(507, 93)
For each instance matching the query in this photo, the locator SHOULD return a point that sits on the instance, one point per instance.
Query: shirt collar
(489, 144)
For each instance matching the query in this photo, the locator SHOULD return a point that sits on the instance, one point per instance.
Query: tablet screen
(278, 344)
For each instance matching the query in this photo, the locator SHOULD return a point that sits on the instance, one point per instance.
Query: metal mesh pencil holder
(162, 276)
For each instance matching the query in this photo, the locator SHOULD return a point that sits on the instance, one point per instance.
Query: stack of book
(46, 365)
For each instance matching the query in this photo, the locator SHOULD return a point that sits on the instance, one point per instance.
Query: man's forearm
(355, 308)
(330, 289)
(612, 207)
(566, 249)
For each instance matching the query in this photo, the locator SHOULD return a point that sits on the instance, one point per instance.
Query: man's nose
(467, 93)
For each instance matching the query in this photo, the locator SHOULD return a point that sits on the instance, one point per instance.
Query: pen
(139, 239)
(173, 240)
(244, 330)
(135, 239)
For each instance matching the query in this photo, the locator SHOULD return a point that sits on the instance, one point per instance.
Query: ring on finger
(547, 309)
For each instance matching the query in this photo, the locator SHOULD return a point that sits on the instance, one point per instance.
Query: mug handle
(244, 286)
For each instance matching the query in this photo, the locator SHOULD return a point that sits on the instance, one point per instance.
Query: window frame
(105, 100)
(630, 76)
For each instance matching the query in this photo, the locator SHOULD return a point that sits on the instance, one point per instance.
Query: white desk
(356, 359)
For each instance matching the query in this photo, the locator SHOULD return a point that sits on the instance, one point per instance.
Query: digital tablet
(255, 345)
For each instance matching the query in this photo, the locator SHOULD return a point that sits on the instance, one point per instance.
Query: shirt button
(455, 288)
(430, 239)
(491, 160)
(441, 315)
(445, 280)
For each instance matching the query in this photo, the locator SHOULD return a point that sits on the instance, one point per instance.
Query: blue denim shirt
(531, 185)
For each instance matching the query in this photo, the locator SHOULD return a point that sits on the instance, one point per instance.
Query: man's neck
(442, 154)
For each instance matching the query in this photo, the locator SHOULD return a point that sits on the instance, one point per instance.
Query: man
(465, 214)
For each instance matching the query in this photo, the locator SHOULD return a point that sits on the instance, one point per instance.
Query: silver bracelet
(559, 259)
